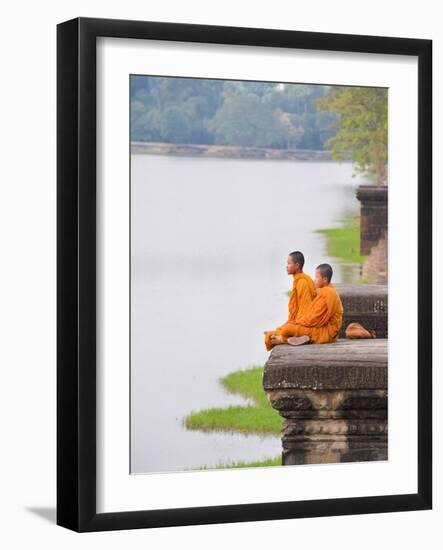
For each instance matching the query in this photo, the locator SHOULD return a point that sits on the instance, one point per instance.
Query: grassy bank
(258, 417)
(245, 420)
(255, 464)
(344, 242)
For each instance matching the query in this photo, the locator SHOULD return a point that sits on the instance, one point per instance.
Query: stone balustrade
(365, 304)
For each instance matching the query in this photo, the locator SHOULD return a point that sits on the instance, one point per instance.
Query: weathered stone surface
(365, 304)
(375, 266)
(333, 398)
(374, 215)
(345, 364)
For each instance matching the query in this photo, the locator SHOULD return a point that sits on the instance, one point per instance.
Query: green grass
(248, 383)
(236, 419)
(254, 464)
(256, 418)
(344, 242)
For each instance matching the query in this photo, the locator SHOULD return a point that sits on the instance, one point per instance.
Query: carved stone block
(333, 398)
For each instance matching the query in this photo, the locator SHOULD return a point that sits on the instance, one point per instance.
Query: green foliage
(248, 383)
(362, 127)
(344, 242)
(173, 110)
(248, 419)
(254, 464)
(205, 111)
(244, 120)
(351, 121)
(259, 417)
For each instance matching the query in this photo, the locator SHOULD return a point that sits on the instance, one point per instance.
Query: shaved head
(325, 271)
(298, 258)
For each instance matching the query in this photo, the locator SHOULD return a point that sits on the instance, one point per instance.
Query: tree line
(352, 121)
(226, 112)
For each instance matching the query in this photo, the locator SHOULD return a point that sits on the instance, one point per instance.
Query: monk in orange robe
(321, 323)
(302, 294)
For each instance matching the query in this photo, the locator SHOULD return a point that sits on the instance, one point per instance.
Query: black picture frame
(76, 273)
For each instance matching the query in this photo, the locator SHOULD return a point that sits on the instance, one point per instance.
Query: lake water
(209, 242)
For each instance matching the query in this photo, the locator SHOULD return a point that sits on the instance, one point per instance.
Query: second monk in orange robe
(322, 322)
(302, 294)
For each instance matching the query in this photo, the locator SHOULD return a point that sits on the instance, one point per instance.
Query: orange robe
(302, 294)
(323, 320)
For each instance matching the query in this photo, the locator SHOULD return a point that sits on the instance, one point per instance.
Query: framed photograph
(244, 274)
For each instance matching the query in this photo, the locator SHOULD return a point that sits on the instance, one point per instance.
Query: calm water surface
(209, 242)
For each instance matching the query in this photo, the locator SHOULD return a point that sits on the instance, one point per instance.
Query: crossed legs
(289, 333)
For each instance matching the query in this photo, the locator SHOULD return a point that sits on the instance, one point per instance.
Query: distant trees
(362, 127)
(351, 121)
(247, 121)
(173, 110)
(261, 114)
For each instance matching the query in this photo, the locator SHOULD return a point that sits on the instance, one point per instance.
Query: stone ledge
(372, 193)
(345, 364)
(355, 291)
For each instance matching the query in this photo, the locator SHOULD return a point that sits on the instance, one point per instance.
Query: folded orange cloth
(356, 330)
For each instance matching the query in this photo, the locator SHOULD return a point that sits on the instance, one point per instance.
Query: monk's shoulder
(301, 282)
(305, 282)
(335, 291)
(329, 292)
(333, 294)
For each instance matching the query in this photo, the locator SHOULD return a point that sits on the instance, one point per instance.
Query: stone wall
(374, 215)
